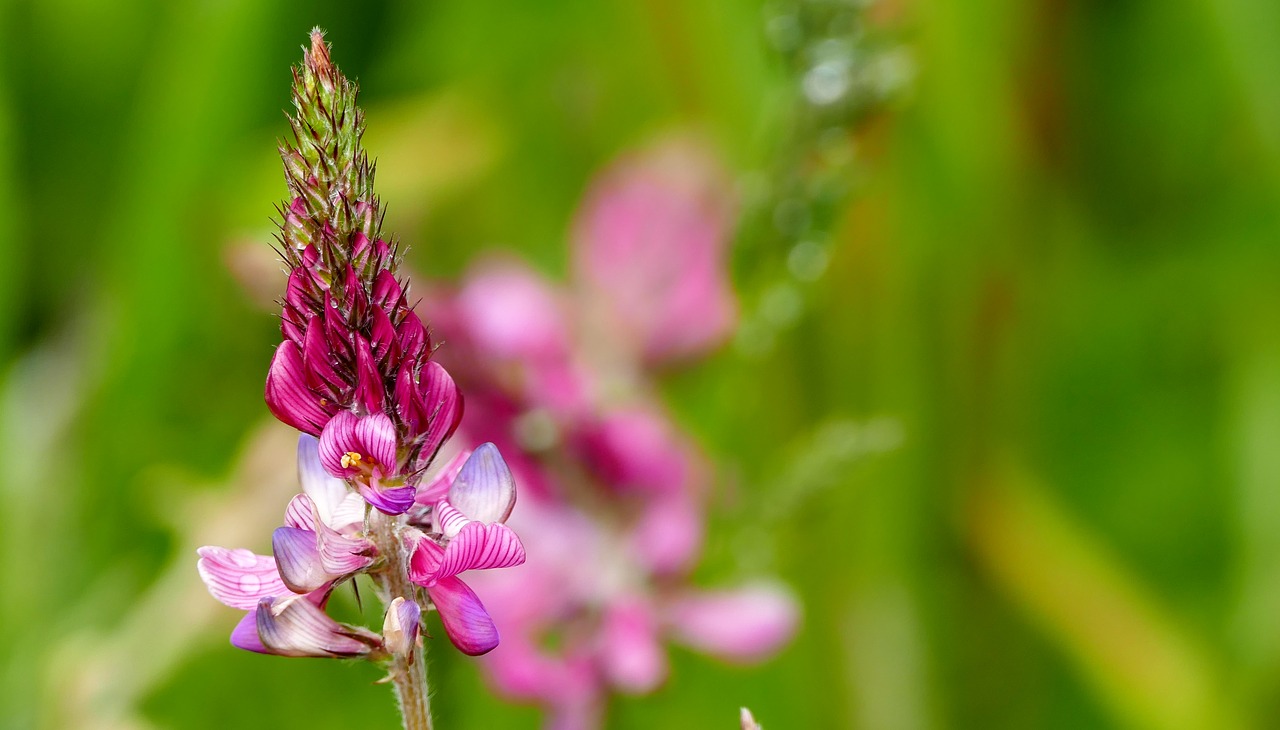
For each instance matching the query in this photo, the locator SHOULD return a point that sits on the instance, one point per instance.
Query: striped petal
(342, 554)
(373, 437)
(376, 435)
(298, 627)
(287, 394)
(449, 521)
(478, 546)
(298, 559)
(301, 513)
(239, 578)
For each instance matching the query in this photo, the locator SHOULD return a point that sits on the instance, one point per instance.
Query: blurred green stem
(407, 673)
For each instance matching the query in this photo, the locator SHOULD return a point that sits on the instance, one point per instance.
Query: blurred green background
(1017, 448)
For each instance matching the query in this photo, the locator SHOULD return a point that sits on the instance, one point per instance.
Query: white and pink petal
(298, 627)
(484, 489)
(239, 578)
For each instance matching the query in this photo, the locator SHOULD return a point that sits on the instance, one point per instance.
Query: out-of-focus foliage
(1016, 445)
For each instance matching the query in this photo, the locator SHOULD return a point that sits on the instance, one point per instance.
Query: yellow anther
(351, 459)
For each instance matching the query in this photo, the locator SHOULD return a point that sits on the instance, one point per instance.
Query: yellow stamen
(351, 459)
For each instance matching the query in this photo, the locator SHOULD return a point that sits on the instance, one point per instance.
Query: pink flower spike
(298, 627)
(484, 490)
(238, 578)
(287, 394)
(352, 445)
(464, 617)
(743, 625)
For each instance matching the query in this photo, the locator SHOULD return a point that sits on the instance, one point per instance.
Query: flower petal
(744, 625)
(338, 437)
(376, 437)
(667, 537)
(441, 402)
(464, 617)
(512, 313)
(435, 490)
(478, 546)
(406, 398)
(317, 357)
(301, 513)
(245, 634)
(349, 514)
(414, 341)
(424, 562)
(386, 290)
(370, 391)
(239, 578)
(484, 489)
(287, 394)
(298, 559)
(298, 627)
(342, 554)
(327, 492)
(448, 520)
(383, 334)
(390, 501)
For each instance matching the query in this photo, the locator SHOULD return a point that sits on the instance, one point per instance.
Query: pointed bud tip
(318, 56)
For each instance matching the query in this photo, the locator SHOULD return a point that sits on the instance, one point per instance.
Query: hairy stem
(408, 673)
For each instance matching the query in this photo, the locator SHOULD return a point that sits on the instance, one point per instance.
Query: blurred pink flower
(650, 244)
(612, 512)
